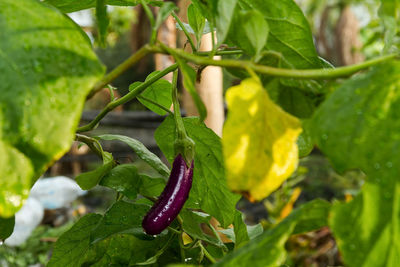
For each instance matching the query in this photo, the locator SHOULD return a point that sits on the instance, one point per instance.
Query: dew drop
(324, 137)
(389, 164)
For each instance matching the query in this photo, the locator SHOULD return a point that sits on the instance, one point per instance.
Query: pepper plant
(289, 100)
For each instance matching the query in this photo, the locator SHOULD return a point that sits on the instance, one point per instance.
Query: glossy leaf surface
(43, 70)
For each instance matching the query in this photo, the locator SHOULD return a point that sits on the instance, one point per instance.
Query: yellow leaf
(287, 209)
(186, 239)
(259, 141)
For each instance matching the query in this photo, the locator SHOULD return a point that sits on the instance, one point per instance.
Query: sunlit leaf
(358, 127)
(259, 141)
(47, 67)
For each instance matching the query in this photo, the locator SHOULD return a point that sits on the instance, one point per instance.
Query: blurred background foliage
(345, 32)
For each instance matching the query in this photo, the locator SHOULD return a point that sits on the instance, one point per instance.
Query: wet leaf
(46, 71)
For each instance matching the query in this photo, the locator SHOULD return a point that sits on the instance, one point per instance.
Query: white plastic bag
(26, 220)
(47, 193)
(56, 192)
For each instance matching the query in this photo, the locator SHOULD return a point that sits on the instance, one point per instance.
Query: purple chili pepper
(171, 200)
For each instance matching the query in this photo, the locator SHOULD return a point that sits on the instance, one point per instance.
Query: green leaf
(242, 233)
(18, 181)
(151, 186)
(240, 230)
(121, 250)
(90, 179)
(254, 230)
(223, 18)
(126, 180)
(165, 10)
(46, 73)
(6, 227)
(289, 31)
(388, 14)
(141, 151)
(268, 249)
(72, 246)
(121, 218)
(362, 113)
(68, 6)
(209, 190)
(205, 8)
(362, 132)
(189, 29)
(196, 21)
(102, 21)
(290, 45)
(305, 141)
(192, 225)
(251, 32)
(159, 92)
(367, 228)
(189, 81)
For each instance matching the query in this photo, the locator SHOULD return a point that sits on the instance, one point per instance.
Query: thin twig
(129, 96)
(278, 72)
(207, 254)
(115, 73)
(185, 31)
(91, 143)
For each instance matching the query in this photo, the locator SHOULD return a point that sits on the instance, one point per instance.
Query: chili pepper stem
(184, 145)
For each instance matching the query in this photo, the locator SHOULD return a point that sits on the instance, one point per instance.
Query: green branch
(184, 31)
(220, 52)
(124, 66)
(129, 96)
(207, 254)
(92, 143)
(278, 72)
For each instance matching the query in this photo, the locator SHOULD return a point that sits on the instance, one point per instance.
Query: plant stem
(224, 248)
(129, 96)
(220, 52)
(278, 72)
(174, 230)
(150, 16)
(180, 220)
(207, 254)
(180, 128)
(91, 143)
(182, 247)
(185, 31)
(115, 73)
(152, 199)
(155, 104)
(193, 244)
